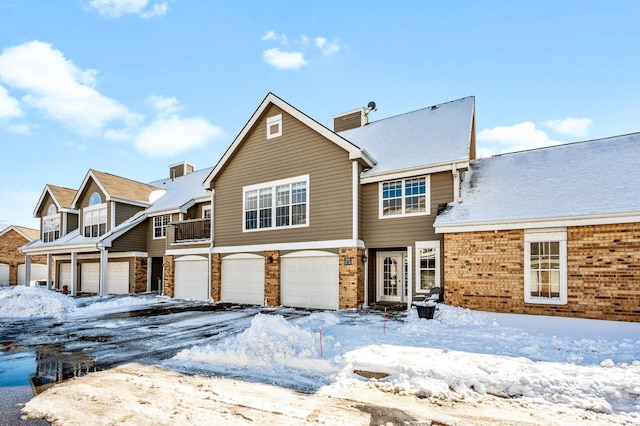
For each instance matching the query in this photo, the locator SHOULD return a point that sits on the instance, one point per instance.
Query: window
(95, 219)
(95, 199)
(427, 265)
(51, 224)
(160, 224)
(545, 263)
(206, 212)
(404, 197)
(279, 204)
(274, 126)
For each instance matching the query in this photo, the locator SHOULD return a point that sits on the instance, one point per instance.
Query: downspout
(209, 254)
(456, 183)
(104, 265)
(409, 277)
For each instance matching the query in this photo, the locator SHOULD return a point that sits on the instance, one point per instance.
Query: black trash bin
(426, 312)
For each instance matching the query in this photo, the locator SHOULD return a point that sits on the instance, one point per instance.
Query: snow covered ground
(581, 371)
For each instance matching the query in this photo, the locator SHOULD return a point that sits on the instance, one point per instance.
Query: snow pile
(270, 342)
(30, 302)
(97, 305)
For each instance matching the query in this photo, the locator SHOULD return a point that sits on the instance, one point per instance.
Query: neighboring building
(109, 236)
(306, 217)
(551, 231)
(12, 262)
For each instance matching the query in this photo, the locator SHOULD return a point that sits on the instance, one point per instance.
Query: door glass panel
(390, 276)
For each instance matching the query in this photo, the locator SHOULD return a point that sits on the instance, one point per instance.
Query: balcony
(192, 230)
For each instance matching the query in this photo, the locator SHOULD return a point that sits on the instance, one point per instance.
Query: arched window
(95, 199)
(52, 209)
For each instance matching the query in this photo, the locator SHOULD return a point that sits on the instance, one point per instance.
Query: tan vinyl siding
(404, 231)
(133, 240)
(46, 202)
(195, 211)
(72, 222)
(125, 211)
(299, 151)
(347, 121)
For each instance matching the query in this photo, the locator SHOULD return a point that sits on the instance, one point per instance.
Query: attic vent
(180, 169)
(349, 120)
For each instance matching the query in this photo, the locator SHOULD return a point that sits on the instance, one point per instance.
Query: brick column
(216, 277)
(169, 276)
(350, 278)
(139, 274)
(272, 278)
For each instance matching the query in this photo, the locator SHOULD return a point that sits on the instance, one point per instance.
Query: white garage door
(191, 278)
(90, 278)
(243, 279)
(38, 272)
(4, 274)
(65, 276)
(310, 280)
(118, 278)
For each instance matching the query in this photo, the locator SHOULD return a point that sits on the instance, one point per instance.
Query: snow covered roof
(434, 135)
(598, 178)
(179, 192)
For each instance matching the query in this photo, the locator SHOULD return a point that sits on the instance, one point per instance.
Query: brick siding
(485, 271)
(350, 278)
(272, 278)
(169, 276)
(140, 274)
(10, 242)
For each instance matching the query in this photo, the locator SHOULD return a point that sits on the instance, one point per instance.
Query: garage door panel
(38, 272)
(65, 275)
(4, 274)
(118, 278)
(191, 279)
(243, 280)
(310, 282)
(90, 278)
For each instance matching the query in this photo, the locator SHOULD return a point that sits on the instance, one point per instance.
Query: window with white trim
(160, 224)
(51, 224)
(274, 126)
(427, 265)
(206, 212)
(94, 220)
(545, 267)
(276, 205)
(404, 197)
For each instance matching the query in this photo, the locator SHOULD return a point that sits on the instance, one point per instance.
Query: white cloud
(76, 146)
(570, 126)
(118, 8)
(168, 136)
(9, 107)
(284, 60)
(518, 137)
(272, 35)
(327, 47)
(59, 89)
(164, 105)
(19, 129)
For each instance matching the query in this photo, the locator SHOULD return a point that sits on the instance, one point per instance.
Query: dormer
(57, 218)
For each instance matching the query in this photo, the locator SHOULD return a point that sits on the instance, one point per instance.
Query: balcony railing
(195, 229)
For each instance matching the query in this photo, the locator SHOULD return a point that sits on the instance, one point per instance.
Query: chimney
(353, 119)
(180, 169)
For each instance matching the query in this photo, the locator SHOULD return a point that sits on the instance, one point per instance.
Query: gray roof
(179, 191)
(593, 178)
(428, 136)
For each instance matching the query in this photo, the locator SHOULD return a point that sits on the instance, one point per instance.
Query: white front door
(392, 276)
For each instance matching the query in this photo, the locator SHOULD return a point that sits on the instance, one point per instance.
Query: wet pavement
(37, 353)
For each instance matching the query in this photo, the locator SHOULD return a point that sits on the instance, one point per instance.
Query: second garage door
(90, 278)
(310, 280)
(243, 279)
(4, 274)
(191, 278)
(118, 278)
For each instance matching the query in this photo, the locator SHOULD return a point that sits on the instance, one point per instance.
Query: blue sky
(131, 86)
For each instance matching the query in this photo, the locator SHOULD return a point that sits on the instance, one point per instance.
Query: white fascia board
(41, 199)
(164, 212)
(203, 199)
(187, 251)
(557, 222)
(130, 202)
(414, 171)
(120, 255)
(84, 182)
(354, 151)
(77, 248)
(186, 206)
(307, 245)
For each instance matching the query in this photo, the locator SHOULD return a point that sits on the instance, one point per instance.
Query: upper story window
(404, 197)
(51, 224)
(94, 219)
(95, 199)
(274, 126)
(278, 204)
(206, 212)
(545, 267)
(160, 224)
